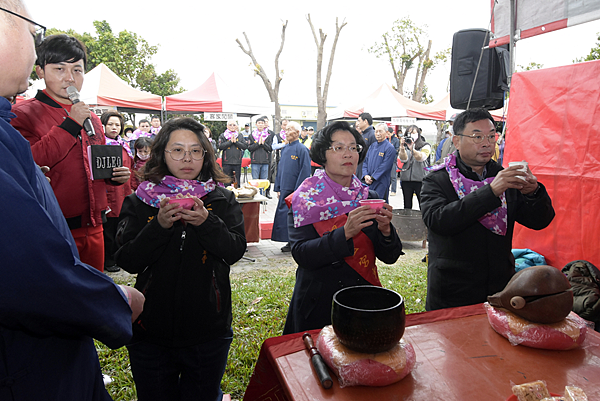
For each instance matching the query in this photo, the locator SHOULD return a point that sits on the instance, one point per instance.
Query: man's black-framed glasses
(40, 30)
(492, 138)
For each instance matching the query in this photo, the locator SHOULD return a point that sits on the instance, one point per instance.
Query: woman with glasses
(181, 251)
(334, 239)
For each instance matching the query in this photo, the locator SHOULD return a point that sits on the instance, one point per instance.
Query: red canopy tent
(103, 87)
(554, 126)
(214, 96)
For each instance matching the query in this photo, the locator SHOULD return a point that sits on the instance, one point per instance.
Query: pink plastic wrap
(568, 334)
(358, 369)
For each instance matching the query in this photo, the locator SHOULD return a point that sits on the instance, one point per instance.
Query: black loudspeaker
(492, 77)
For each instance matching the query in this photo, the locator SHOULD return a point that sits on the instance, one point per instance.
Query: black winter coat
(260, 153)
(468, 262)
(233, 152)
(585, 281)
(183, 271)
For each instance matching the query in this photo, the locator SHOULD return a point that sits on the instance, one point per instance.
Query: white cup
(523, 168)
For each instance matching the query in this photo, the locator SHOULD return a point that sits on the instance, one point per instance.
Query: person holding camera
(414, 153)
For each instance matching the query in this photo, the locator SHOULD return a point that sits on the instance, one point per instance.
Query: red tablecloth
(251, 213)
(459, 357)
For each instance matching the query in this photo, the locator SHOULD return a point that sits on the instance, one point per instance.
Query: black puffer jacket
(182, 271)
(585, 281)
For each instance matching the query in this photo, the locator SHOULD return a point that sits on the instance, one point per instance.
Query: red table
(251, 211)
(459, 357)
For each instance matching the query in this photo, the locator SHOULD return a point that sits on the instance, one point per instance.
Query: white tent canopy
(385, 103)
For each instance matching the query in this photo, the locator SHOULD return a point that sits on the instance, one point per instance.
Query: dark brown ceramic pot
(368, 319)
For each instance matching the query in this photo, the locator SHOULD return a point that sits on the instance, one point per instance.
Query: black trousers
(230, 168)
(408, 189)
(110, 245)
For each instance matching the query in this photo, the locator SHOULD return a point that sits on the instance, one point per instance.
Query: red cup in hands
(186, 203)
(375, 204)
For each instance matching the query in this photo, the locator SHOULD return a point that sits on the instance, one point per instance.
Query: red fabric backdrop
(554, 124)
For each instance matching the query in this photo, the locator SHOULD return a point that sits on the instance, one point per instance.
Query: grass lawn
(260, 302)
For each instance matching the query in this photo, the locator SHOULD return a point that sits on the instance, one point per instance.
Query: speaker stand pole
(513, 12)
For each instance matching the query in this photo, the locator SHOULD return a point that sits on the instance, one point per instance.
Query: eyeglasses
(341, 149)
(492, 138)
(178, 154)
(40, 30)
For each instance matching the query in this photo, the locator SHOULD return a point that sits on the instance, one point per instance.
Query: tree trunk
(258, 70)
(322, 91)
(427, 64)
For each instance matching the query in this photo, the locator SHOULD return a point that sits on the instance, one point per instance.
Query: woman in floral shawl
(180, 232)
(334, 240)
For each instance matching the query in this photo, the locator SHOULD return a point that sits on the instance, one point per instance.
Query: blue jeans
(260, 171)
(394, 178)
(179, 374)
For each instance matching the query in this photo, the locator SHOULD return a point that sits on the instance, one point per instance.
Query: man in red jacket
(53, 125)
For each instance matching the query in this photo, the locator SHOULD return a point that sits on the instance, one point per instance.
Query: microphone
(74, 97)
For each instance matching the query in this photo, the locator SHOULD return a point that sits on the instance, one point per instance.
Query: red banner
(554, 124)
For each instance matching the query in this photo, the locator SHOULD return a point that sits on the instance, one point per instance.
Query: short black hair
(368, 117)
(470, 116)
(112, 113)
(261, 118)
(60, 49)
(144, 121)
(322, 141)
(153, 117)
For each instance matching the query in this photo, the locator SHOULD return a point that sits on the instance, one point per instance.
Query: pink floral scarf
(230, 134)
(171, 187)
(120, 142)
(496, 220)
(259, 135)
(137, 134)
(319, 198)
(282, 134)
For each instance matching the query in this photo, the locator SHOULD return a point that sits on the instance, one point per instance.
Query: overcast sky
(196, 38)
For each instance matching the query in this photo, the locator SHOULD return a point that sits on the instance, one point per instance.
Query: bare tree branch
(323, 91)
(273, 91)
(338, 29)
(277, 73)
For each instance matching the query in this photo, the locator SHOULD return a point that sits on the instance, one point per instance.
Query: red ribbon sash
(363, 260)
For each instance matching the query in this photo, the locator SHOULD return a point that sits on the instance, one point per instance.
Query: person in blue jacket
(52, 305)
(294, 167)
(378, 163)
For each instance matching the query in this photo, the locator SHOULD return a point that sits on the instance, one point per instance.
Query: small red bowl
(186, 203)
(376, 204)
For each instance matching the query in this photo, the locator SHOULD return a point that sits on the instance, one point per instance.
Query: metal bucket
(409, 224)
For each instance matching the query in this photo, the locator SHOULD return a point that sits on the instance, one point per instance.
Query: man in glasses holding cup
(470, 205)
